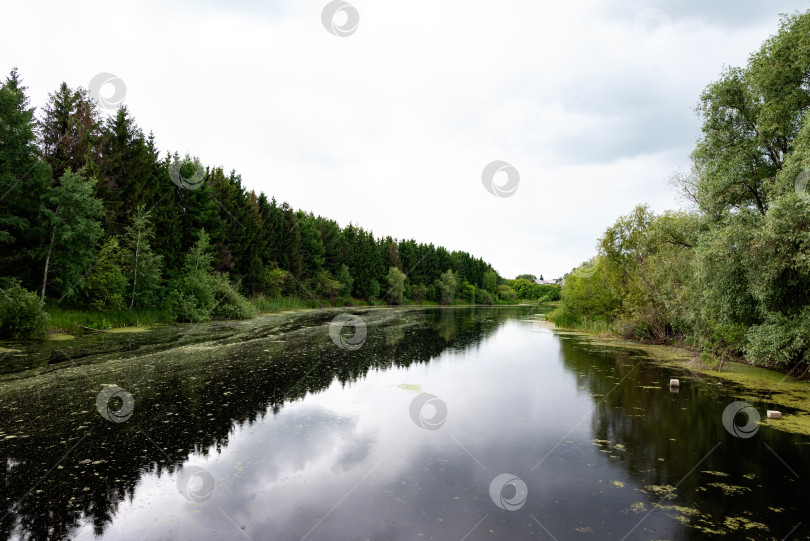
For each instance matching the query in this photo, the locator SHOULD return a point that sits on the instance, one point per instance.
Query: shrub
(20, 315)
(723, 343)
(780, 340)
(553, 293)
(193, 297)
(466, 291)
(274, 281)
(228, 303)
(325, 286)
(562, 317)
(419, 292)
(482, 296)
(506, 293)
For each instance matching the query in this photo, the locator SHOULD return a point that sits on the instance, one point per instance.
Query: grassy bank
(66, 320)
(77, 321)
(565, 319)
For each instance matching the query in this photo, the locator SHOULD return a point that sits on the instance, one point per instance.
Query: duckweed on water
(59, 336)
(667, 492)
(637, 507)
(738, 523)
(715, 473)
(730, 490)
(751, 383)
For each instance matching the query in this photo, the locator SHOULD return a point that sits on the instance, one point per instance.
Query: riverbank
(765, 388)
(66, 322)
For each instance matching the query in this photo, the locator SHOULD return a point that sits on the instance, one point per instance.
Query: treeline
(92, 216)
(731, 276)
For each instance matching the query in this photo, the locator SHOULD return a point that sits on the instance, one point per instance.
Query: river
(434, 424)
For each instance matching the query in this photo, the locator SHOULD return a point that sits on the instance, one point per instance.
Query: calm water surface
(453, 423)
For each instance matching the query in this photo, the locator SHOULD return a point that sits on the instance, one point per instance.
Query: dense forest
(94, 218)
(730, 276)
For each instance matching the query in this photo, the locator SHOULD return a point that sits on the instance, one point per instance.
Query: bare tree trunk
(135, 278)
(45, 274)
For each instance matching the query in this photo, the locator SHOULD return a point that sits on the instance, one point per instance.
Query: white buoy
(773, 414)
(674, 383)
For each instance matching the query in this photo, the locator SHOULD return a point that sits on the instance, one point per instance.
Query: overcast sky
(391, 127)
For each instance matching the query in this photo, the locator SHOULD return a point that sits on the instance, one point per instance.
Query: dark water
(441, 424)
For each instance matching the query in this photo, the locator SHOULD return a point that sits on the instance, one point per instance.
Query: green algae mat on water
(773, 390)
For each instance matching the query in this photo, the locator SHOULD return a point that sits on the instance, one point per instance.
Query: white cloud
(391, 127)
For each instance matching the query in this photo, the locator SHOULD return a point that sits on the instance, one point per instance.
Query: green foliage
(192, 298)
(74, 320)
(325, 286)
(144, 265)
(396, 286)
(526, 290)
(431, 293)
(554, 293)
(419, 293)
(70, 132)
(733, 276)
(722, 343)
(528, 277)
(591, 296)
(280, 304)
(373, 289)
(203, 294)
(75, 177)
(23, 180)
(780, 341)
(105, 285)
(274, 283)
(20, 314)
(344, 276)
(482, 296)
(200, 257)
(446, 287)
(466, 292)
(490, 281)
(506, 293)
(228, 303)
(71, 217)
